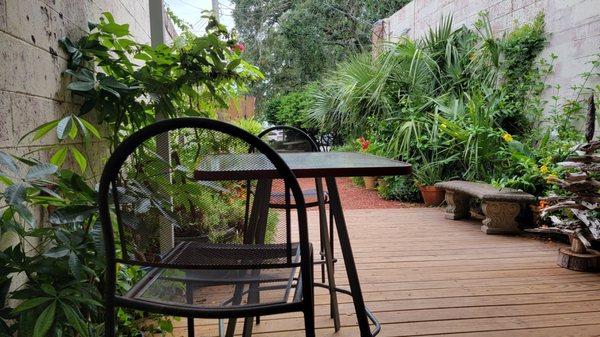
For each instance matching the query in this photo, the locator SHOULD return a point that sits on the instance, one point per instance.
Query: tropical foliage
(457, 103)
(50, 212)
(126, 85)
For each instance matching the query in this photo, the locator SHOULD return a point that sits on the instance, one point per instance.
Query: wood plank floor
(423, 275)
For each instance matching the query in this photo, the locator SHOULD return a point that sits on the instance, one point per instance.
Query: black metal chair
(290, 139)
(182, 175)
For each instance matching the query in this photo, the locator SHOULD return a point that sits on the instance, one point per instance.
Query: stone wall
(574, 26)
(32, 88)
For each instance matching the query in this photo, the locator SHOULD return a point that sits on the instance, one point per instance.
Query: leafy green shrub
(444, 103)
(126, 84)
(400, 188)
(291, 109)
(250, 124)
(521, 76)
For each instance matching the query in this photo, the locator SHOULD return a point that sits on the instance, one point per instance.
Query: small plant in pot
(426, 175)
(366, 146)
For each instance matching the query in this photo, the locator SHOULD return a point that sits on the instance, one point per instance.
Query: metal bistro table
(327, 165)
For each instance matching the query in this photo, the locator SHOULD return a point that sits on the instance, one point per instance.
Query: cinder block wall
(574, 26)
(32, 87)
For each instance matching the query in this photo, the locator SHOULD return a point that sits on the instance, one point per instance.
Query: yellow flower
(544, 169)
(507, 137)
(551, 178)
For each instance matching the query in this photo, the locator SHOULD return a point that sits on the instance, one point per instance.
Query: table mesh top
(304, 165)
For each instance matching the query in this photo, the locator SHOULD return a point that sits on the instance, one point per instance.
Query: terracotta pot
(432, 196)
(370, 182)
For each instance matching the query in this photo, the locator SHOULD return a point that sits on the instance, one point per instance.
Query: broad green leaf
(75, 266)
(57, 252)
(5, 180)
(91, 128)
(68, 44)
(84, 131)
(142, 56)
(81, 86)
(116, 29)
(83, 75)
(108, 16)
(44, 321)
(25, 214)
(48, 289)
(79, 158)
(73, 130)
(62, 237)
(75, 319)
(41, 130)
(110, 81)
(31, 303)
(233, 64)
(59, 156)
(15, 193)
(64, 127)
(41, 171)
(86, 300)
(8, 162)
(112, 91)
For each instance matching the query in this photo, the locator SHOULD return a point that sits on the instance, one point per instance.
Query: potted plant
(364, 145)
(428, 173)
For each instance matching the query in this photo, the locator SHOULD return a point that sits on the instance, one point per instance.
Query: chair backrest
(183, 180)
(288, 139)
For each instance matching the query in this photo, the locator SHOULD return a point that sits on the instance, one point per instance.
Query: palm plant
(471, 123)
(347, 96)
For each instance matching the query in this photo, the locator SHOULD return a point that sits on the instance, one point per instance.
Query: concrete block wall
(32, 87)
(574, 27)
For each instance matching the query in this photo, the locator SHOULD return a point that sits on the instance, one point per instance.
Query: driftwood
(591, 120)
(575, 214)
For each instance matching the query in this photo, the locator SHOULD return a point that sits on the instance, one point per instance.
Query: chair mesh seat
(218, 288)
(231, 256)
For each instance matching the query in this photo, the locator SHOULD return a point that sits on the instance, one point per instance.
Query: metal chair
(290, 139)
(181, 175)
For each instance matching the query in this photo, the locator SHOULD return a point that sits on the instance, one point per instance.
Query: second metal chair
(290, 139)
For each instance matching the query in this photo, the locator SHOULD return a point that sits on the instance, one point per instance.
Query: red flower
(239, 47)
(364, 144)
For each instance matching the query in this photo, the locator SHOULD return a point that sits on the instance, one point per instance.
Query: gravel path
(355, 197)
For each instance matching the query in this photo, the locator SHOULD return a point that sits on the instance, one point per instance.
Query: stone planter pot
(432, 196)
(370, 183)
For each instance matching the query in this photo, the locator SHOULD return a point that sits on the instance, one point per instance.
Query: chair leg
(237, 299)
(309, 323)
(328, 254)
(190, 327)
(189, 296)
(331, 228)
(309, 299)
(322, 241)
(109, 320)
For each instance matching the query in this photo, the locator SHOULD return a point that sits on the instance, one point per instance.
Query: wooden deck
(424, 275)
